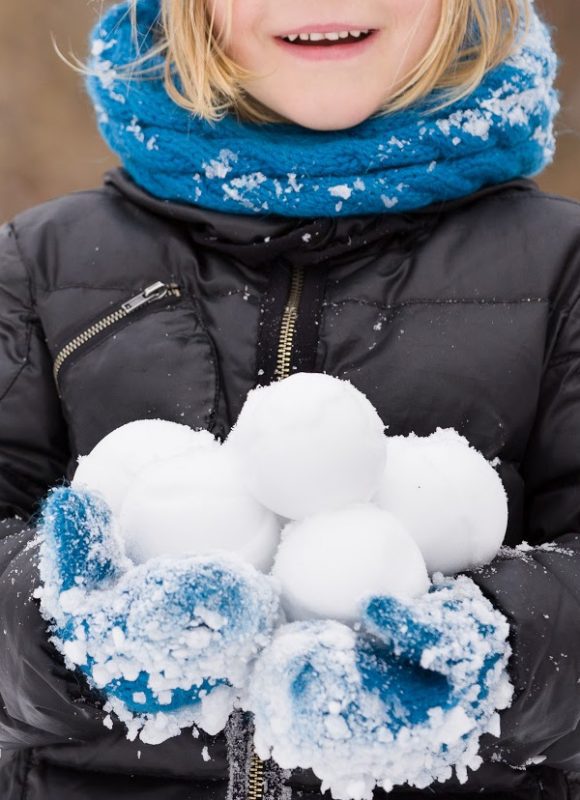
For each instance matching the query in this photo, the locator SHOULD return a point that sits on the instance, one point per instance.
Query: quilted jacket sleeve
(539, 590)
(38, 697)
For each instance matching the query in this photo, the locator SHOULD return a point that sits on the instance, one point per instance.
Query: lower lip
(336, 52)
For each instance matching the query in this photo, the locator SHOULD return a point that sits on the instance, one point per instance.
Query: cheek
(244, 16)
(415, 21)
(219, 9)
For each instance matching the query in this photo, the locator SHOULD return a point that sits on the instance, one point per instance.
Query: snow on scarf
(394, 163)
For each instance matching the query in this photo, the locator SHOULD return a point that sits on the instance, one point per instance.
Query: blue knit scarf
(394, 163)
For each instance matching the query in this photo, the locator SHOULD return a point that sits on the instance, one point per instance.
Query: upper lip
(333, 27)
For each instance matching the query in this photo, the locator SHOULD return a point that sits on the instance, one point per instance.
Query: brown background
(48, 141)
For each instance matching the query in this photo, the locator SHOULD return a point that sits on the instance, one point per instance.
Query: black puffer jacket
(464, 315)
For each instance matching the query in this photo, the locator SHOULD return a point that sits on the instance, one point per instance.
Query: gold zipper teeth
(98, 327)
(288, 325)
(256, 779)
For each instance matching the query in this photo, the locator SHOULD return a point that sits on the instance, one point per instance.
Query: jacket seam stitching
(133, 288)
(442, 302)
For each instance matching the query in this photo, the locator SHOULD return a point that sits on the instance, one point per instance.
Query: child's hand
(167, 636)
(453, 631)
(402, 700)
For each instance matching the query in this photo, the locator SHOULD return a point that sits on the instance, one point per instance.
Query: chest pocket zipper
(153, 293)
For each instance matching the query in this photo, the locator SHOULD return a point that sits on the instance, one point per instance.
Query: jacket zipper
(283, 367)
(256, 778)
(288, 326)
(156, 291)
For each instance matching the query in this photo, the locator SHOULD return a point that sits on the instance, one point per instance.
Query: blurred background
(48, 141)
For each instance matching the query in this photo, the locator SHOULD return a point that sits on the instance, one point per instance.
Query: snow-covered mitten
(402, 700)
(169, 642)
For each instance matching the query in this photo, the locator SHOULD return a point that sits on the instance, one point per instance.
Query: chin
(320, 120)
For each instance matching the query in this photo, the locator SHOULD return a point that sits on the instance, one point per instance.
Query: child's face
(328, 87)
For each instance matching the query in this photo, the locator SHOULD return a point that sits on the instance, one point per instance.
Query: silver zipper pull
(157, 291)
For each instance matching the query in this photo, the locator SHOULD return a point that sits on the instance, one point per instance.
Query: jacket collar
(302, 241)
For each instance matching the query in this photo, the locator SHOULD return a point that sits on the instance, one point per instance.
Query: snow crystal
(205, 754)
(525, 550)
(342, 190)
(389, 202)
(136, 129)
(105, 72)
(222, 166)
(248, 182)
(471, 121)
(99, 46)
(293, 183)
(102, 116)
(306, 237)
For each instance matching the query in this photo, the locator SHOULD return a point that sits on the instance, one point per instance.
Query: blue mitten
(169, 642)
(402, 700)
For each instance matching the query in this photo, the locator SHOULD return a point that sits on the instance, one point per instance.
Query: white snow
(221, 166)
(449, 498)
(341, 190)
(308, 444)
(328, 564)
(194, 504)
(313, 710)
(169, 608)
(389, 202)
(365, 515)
(111, 466)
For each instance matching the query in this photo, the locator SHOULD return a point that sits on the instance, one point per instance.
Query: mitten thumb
(79, 545)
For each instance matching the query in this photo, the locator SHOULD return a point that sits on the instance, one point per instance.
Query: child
(356, 202)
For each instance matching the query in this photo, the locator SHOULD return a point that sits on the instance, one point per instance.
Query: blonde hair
(473, 36)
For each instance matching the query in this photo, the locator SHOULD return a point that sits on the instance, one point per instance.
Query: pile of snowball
(308, 487)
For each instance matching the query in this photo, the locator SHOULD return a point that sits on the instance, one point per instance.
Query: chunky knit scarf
(394, 163)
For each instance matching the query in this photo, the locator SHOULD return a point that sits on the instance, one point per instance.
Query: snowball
(308, 444)
(328, 564)
(111, 466)
(196, 504)
(448, 496)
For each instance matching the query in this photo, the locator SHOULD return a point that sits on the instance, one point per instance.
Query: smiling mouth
(326, 39)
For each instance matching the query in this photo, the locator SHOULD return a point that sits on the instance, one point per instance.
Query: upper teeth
(317, 37)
